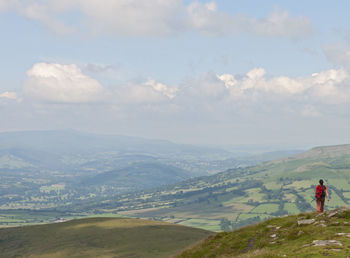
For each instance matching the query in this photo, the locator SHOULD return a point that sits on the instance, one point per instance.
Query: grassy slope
(243, 196)
(280, 237)
(98, 237)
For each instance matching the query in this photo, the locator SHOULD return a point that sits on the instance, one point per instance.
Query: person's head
(321, 182)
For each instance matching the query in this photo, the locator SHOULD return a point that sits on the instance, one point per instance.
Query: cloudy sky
(211, 72)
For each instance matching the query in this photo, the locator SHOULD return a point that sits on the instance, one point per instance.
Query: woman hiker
(320, 194)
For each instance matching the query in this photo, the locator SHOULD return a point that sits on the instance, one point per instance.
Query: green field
(99, 237)
(291, 208)
(266, 208)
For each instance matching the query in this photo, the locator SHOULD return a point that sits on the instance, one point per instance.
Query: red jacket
(318, 192)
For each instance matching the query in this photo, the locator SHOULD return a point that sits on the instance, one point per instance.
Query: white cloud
(61, 84)
(279, 23)
(206, 19)
(57, 83)
(206, 87)
(9, 95)
(146, 93)
(155, 18)
(329, 87)
(41, 11)
(162, 88)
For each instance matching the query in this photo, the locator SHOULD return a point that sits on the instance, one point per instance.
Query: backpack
(320, 191)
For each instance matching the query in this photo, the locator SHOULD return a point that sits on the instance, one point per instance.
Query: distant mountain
(242, 196)
(73, 142)
(335, 151)
(99, 237)
(138, 176)
(72, 150)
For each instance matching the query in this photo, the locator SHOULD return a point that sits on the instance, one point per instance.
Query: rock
(332, 214)
(343, 234)
(326, 242)
(300, 233)
(278, 228)
(273, 235)
(323, 225)
(305, 222)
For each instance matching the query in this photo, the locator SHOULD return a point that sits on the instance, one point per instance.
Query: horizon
(254, 148)
(191, 72)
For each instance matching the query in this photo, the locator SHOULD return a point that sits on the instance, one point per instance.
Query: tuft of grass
(344, 214)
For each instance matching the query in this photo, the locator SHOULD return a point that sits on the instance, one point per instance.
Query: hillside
(98, 237)
(238, 197)
(303, 235)
(140, 175)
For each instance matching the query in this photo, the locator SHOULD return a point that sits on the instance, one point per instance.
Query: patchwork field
(238, 197)
(224, 201)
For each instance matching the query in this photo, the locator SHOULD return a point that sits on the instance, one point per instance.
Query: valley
(71, 174)
(242, 196)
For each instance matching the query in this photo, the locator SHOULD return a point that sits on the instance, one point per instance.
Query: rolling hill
(237, 197)
(140, 175)
(98, 237)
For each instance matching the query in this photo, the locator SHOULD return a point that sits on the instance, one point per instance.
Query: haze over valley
(180, 120)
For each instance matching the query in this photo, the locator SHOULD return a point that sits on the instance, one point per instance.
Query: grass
(291, 208)
(279, 237)
(301, 184)
(96, 237)
(266, 208)
(211, 225)
(336, 201)
(346, 195)
(245, 216)
(273, 185)
(339, 183)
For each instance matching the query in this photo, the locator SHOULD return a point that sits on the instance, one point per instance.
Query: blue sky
(210, 72)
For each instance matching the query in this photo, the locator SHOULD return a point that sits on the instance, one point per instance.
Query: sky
(198, 72)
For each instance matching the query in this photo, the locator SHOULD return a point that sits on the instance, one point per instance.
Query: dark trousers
(320, 204)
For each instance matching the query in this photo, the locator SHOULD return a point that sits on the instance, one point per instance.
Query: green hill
(303, 235)
(140, 175)
(238, 197)
(98, 237)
